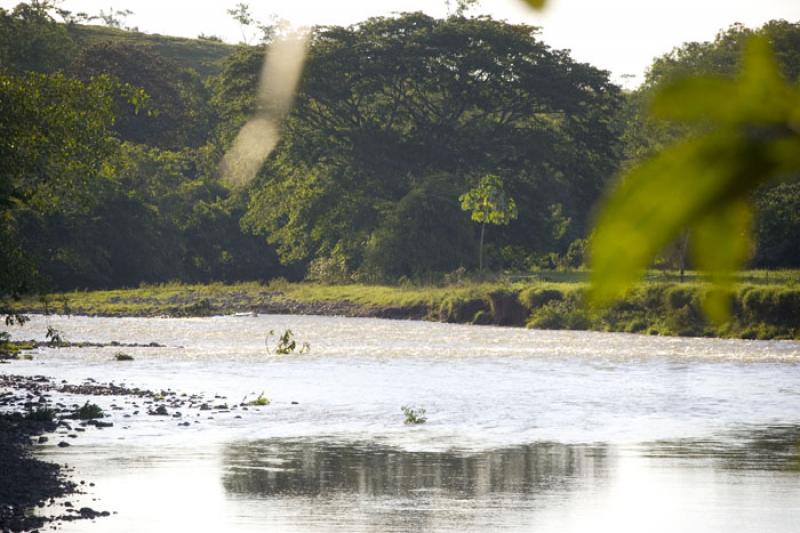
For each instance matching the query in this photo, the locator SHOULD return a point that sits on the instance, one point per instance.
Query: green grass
(766, 304)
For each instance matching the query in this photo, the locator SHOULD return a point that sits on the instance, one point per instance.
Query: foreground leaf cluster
(751, 135)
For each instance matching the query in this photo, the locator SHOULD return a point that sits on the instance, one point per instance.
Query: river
(527, 430)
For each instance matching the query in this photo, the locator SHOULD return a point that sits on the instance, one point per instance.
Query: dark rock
(161, 410)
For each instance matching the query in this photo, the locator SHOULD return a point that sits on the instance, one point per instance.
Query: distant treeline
(110, 144)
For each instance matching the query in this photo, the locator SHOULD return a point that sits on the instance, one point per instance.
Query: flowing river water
(527, 430)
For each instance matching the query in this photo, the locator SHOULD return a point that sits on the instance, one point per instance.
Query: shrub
(686, 321)
(54, 337)
(260, 401)
(456, 277)
(414, 416)
(202, 307)
(535, 297)
(41, 414)
(329, 270)
(560, 314)
(506, 309)
(636, 326)
(461, 310)
(119, 356)
(576, 254)
(677, 297)
(286, 343)
(88, 411)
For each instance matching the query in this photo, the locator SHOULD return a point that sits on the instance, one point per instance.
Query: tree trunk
(684, 246)
(480, 249)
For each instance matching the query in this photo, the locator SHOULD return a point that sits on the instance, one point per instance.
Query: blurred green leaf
(759, 95)
(702, 182)
(721, 245)
(654, 202)
(536, 4)
(696, 99)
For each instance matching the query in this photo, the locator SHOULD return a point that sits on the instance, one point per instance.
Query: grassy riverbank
(766, 306)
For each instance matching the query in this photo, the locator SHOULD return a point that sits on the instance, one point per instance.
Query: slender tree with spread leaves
(488, 203)
(241, 14)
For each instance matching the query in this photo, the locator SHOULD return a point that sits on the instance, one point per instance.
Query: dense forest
(111, 143)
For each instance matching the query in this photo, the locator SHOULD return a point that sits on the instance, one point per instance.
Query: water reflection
(770, 448)
(276, 468)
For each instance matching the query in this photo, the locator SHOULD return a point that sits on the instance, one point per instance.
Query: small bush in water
(89, 411)
(414, 415)
(119, 356)
(286, 343)
(54, 337)
(261, 400)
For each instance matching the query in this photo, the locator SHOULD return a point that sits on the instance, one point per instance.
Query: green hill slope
(206, 57)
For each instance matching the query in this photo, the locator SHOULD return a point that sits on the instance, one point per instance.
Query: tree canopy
(386, 105)
(111, 150)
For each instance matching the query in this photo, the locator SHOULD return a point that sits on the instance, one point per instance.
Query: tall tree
(31, 39)
(392, 102)
(54, 148)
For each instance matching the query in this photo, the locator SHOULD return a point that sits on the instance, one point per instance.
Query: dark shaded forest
(111, 143)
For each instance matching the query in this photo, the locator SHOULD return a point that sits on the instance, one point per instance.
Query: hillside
(204, 56)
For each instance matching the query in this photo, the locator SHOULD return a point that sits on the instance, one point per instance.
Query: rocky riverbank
(28, 483)
(37, 411)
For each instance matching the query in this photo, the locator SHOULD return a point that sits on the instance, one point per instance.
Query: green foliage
(54, 337)
(88, 411)
(568, 312)
(329, 270)
(104, 184)
(750, 138)
(536, 4)
(393, 120)
(769, 305)
(535, 297)
(420, 234)
(8, 349)
(204, 56)
(260, 401)
(462, 309)
(488, 202)
(32, 40)
(286, 343)
(54, 144)
(79, 208)
(41, 414)
(241, 14)
(413, 416)
(505, 308)
(777, 227)
(54, 139)
(178, 115)
(576, 255)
